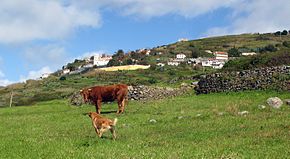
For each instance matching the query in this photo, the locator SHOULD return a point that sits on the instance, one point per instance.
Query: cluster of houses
(90, 62)
(217, 62)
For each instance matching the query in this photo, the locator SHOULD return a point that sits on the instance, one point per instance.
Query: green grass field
(205, 126)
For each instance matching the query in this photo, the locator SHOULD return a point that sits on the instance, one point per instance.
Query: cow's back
(110, 92)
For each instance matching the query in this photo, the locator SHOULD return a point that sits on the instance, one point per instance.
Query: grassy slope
(52, 88)
(56, 130)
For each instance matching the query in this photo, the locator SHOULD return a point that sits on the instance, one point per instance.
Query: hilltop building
(222, 56)
(101, 60)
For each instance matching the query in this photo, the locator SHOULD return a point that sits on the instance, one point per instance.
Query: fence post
(11, 98)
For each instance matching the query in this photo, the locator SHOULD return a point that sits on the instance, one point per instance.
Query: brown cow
(99, 94)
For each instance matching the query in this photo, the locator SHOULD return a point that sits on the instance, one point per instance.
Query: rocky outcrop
(264, 78)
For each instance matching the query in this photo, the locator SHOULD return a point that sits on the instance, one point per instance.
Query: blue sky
(39, 36)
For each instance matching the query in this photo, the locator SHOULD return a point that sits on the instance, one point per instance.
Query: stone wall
(148, 92)
(263, 78)
(143, 93)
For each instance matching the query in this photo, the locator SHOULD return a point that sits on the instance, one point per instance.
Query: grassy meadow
(204, 126)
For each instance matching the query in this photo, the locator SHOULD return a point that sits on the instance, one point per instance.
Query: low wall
(148, 92)
(143, 93)
(263, 78)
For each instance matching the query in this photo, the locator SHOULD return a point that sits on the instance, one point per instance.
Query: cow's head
(86, 94)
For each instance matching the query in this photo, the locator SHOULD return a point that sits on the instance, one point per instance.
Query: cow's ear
(89, 90)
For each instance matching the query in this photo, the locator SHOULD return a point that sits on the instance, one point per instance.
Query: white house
(88, 65)
(45, 75)
(101, 61)
(182, 40)
(207, 62)
(223, 56)
(208, 51)
(66, 71)
(217, 64)
(248, 53)
(148, 52)
(180, 56)
(195, 60)
(172, 63)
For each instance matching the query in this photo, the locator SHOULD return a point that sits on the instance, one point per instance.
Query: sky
(40, 36)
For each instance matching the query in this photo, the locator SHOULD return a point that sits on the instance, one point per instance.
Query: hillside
(272, 50)
(206, 126)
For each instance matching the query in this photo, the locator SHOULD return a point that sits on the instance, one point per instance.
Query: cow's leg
(119, 106)
(113, 132)
(101, 132)
(124, 103)
(98, 106)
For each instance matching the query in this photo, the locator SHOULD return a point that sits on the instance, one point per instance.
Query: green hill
(272, 50)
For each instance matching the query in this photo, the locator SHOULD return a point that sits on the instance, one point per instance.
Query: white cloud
(5, 82)
(152, 8)
(256, 16)
(28, 20)
(36, 74)
(43, 55)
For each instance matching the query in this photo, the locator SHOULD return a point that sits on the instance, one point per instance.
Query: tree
(284, 32)
(113, 62)
(128, 61)
(277, 33)
(270, 48)
(286, 44)
(234, 52)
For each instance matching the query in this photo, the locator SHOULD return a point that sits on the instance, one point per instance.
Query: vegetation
(263, 60)
(273, 50)
(205, 126)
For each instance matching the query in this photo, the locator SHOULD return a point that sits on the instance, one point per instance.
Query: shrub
(62, 78)
(286, 44)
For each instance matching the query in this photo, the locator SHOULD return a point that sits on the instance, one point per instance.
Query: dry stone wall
(142, 93)
(263, 78)
(148, 93)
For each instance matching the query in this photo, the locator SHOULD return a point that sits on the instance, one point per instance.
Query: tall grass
(205, 126)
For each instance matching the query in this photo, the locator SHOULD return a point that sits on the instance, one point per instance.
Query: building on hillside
(208, 51)
(207, 62)
(212, 62)
(89, 65)
(223, 56)
(248, 53)
(173, 63)
(216, 64)
(180, 56)
(45, 75)
(147, 52)
(182, 40)
(195, 61)
(66, 71)
(101, 60)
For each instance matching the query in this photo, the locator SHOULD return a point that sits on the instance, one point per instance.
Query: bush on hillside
(263, 60)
